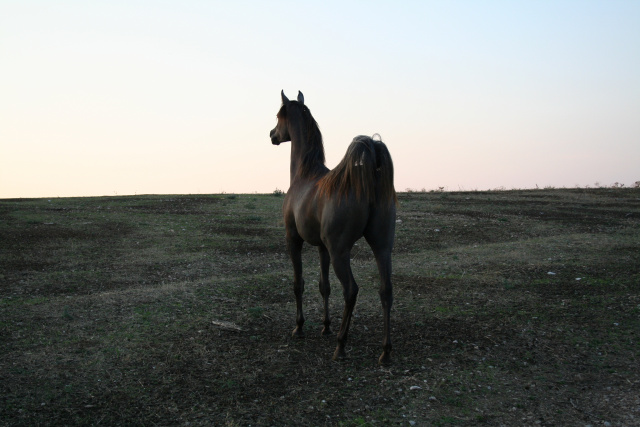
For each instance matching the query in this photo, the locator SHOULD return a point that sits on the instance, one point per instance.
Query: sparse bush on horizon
(537, 187)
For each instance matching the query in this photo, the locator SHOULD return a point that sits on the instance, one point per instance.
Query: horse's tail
(366, 171)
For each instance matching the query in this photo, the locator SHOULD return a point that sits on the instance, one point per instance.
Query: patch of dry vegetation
(511, 308)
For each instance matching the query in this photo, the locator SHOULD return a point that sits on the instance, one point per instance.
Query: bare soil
(511, 308)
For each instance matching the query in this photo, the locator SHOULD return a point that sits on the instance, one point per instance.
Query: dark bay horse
(332, 209)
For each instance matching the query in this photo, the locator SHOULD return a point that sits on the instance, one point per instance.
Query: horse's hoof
(326, 331)
(339, 354)
(297, 333)
(385, 359)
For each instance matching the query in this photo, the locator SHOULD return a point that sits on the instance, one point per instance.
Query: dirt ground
(511, 308)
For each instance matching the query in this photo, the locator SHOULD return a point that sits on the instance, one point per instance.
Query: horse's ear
(300, 97)
(285, 100)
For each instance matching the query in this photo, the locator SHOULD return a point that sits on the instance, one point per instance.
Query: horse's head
(280, 133)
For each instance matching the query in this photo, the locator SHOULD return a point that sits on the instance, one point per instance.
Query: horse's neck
(298, 140)
(293, 172)
(302, 141)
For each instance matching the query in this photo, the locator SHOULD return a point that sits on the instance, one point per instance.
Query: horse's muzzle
(274, 139)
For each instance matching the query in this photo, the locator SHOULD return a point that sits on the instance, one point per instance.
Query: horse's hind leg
(342, 268)
(380, 234)
(294, 245)
(383, 259)
(325, 288)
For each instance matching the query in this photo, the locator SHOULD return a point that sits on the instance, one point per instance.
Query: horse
(332, 209)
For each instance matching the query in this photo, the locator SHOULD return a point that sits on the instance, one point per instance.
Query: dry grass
(511, 308)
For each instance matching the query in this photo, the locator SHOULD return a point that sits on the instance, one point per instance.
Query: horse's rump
(366, 170)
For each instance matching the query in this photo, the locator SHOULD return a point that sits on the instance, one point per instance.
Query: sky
(107, 98)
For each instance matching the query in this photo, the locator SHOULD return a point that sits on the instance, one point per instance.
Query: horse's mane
(313, 158)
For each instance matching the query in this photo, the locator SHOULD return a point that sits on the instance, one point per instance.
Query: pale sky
(178, 97)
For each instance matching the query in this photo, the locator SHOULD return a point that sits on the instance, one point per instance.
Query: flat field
(511, 308)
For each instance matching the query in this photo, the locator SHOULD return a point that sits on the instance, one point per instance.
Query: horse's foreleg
(342, 268)
(386, 297)
(325, 288)
(294, 245)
